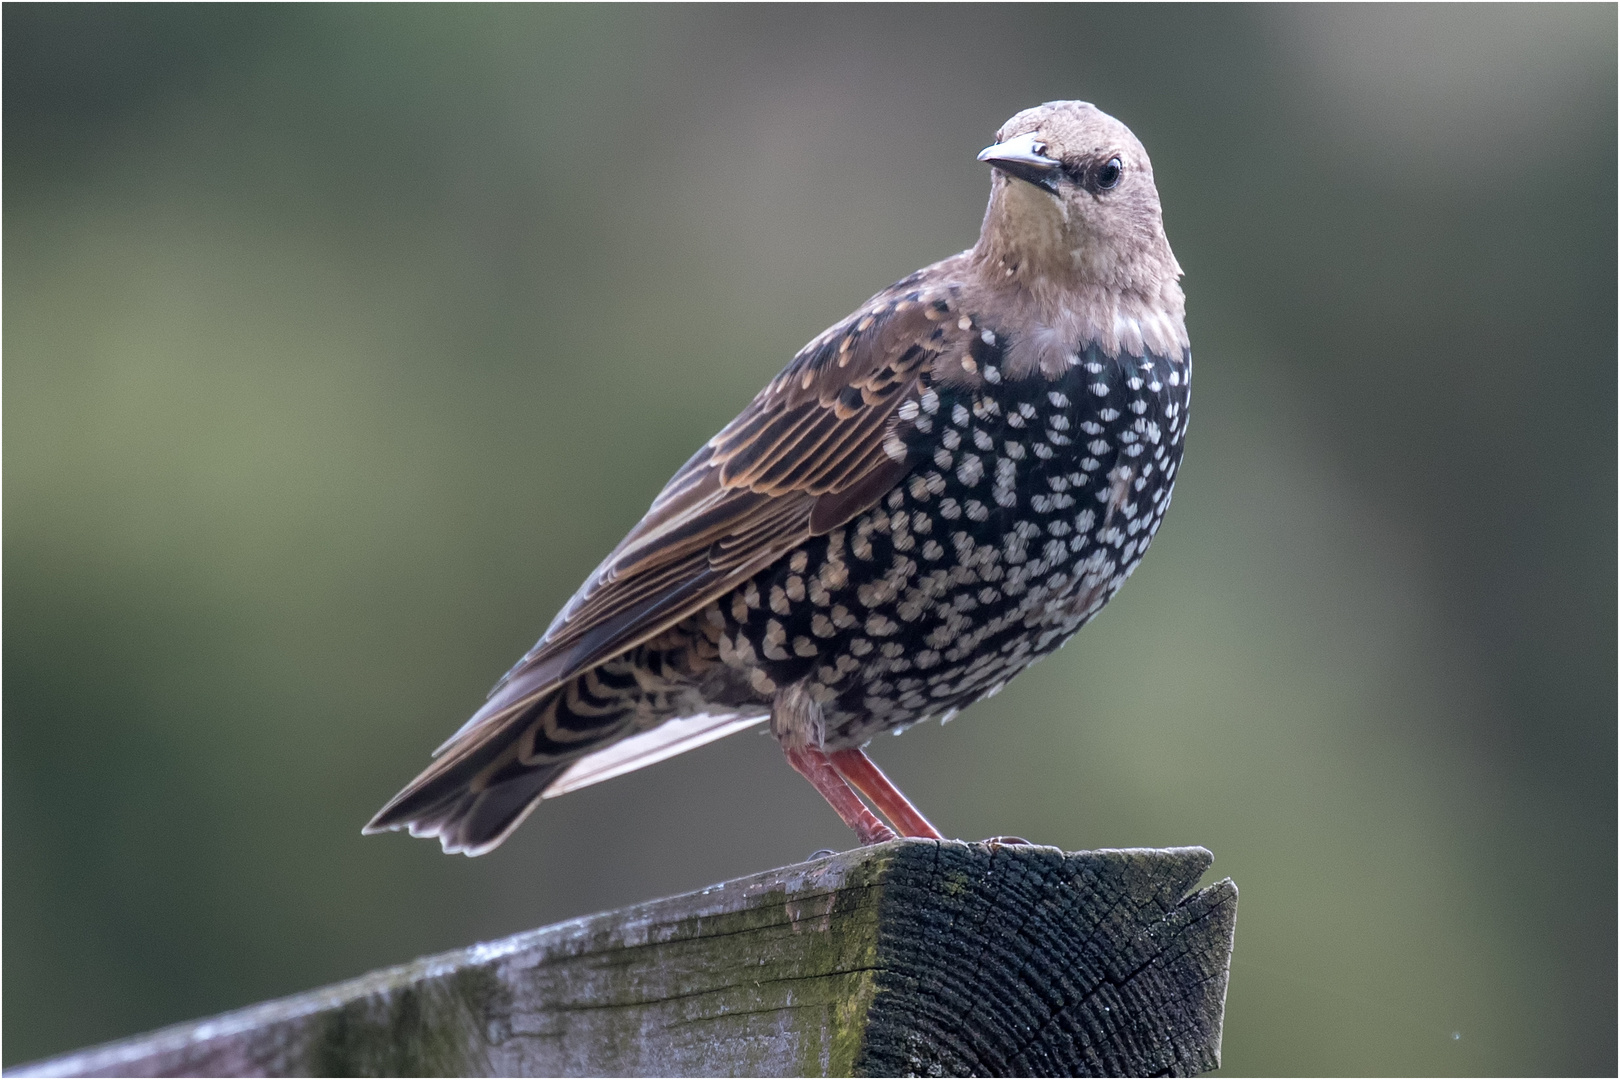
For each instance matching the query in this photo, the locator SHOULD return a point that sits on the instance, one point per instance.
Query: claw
(1006, 841)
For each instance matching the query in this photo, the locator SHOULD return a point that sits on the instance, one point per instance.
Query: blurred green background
(341, 342)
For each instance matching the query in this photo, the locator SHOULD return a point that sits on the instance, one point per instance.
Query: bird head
(1072, 203)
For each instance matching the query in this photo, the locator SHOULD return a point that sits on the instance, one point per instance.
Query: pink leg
(814, 767)
(859, 770)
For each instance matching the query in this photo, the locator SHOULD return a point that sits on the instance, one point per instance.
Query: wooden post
(911, 957)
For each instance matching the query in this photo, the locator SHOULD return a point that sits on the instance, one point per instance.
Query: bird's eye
(1109, 174)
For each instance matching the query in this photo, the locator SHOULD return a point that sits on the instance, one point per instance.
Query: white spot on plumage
(880, 625)
(971, 470)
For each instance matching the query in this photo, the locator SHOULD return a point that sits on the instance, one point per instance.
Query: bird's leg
(814, 767)
(860, 770)
(798, 724)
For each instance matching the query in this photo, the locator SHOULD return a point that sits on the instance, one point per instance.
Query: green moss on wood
(423, 1028)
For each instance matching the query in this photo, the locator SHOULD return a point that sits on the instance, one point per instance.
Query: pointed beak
(1024, 156)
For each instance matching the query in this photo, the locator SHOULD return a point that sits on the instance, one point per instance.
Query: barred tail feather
(475, 822)
(471, 807)
(474, 795)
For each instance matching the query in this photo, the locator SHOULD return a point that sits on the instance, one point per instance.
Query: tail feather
(466, 816)
(476, 823)
(473, 796)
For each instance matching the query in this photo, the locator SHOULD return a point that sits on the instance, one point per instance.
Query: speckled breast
(1029, 503)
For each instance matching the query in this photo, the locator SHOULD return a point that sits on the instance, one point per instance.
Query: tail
(493, 773)
(469, 807)
(474, 795)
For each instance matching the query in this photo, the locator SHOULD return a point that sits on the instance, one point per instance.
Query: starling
(935, 493)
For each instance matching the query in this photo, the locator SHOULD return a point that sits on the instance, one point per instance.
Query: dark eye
(1109, 174)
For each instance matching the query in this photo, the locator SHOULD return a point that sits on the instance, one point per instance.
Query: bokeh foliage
(340, 342)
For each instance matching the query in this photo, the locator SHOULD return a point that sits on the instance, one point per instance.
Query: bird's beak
(1024, 156)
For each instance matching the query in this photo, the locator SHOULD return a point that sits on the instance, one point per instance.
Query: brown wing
(815, 448)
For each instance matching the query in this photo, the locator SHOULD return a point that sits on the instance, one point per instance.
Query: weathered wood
(912, 957)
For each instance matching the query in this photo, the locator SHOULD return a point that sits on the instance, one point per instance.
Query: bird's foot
(1006, 841)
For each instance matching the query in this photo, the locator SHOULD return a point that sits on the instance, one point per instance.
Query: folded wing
(819, 445)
